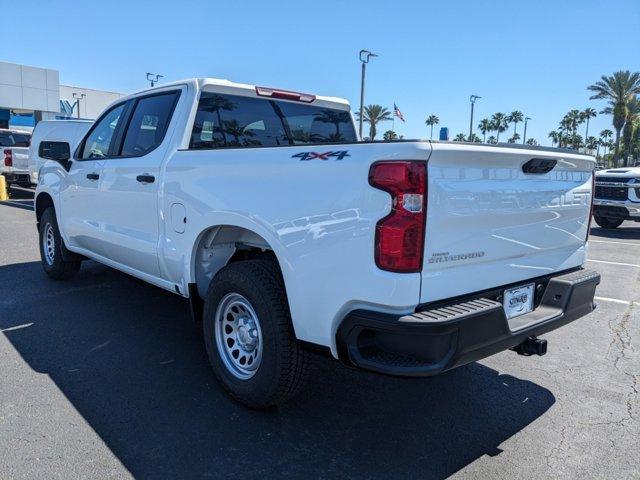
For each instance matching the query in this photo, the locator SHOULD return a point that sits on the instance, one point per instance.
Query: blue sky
(534, 56)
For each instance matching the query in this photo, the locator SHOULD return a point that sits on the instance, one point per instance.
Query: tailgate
(20, 157)
(490, 224)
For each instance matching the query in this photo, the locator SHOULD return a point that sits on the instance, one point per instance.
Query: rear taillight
(8, 158)
(399, 243)
(593, 194)
(285, 94)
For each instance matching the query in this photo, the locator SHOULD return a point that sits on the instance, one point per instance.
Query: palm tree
(485, 126)
(431, 121)
(555, 137)
(500, 124)
(630, 125)
(475, 138)
(492, 140)
(374, 114)
(587, 114)
(515, 117)
(532, 141)
(591, 143)
(514, 138)
(461, 137)
(390, 135)
(617, 89)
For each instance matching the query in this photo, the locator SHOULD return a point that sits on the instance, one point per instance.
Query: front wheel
(51, 245)
(249, 336)
(606, 222)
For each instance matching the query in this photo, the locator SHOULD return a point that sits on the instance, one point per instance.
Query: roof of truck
(202, 83)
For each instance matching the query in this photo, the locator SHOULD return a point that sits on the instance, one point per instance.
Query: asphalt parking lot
(105, 376)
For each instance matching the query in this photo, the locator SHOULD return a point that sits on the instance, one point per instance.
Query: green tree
(591, 143)
(499, 123)
(373, 115)
(514, 138)
(390, 135)
(617, 89)
(532, 141)
(515, 117)
(461, 137)
(431, 121)
(555, 137)
(587, 114)
(492, 140)
(475, 138)
(630, 125)
(485, 127)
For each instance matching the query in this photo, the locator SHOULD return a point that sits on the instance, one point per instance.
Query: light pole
(472, 99)
(365, 55)
(153, 78)
(78, 97)
(524, 135)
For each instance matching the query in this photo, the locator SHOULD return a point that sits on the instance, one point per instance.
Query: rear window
(231, 121)
(14, 139)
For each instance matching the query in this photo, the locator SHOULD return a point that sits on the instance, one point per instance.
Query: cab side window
(97, 143)
(148, 124)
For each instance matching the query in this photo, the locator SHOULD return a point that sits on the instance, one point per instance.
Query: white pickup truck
(14, 145)
(617, 196)
(288, 234)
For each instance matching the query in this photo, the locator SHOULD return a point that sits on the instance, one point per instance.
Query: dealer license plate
(518, 300)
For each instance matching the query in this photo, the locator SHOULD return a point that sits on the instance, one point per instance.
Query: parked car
(288, 234)
(45, 132)
(15, 150)
(617, 196)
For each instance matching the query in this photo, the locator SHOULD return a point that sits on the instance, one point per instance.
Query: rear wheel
(249, 336)
(606, 222)
(51, 246)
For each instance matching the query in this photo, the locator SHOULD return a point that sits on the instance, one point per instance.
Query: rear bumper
(18, 178)
(440, 338)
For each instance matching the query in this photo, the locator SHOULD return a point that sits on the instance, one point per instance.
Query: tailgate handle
(539, 165)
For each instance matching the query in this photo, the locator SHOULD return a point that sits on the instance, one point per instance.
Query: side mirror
(57, 151)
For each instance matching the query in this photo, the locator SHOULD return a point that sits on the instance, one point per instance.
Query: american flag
(397, 112)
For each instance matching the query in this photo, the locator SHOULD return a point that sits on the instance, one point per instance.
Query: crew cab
(288, 235)
(15, 163)
(617, 196)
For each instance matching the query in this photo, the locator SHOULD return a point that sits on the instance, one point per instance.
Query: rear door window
(148, 124)
(311, 124)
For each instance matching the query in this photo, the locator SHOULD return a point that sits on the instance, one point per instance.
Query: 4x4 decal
(306, 156)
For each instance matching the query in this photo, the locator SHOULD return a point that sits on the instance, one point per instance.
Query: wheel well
(221, 245)
(43, 201)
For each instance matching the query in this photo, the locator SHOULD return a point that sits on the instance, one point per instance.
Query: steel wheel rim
(49, 244)
(238, 336)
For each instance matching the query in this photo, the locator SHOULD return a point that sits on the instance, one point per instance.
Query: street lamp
(365, 55)
(472, 99)
(153, 78)
(78, 97)
(524, 135)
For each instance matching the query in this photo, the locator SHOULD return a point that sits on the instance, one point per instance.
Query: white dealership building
(30, 94)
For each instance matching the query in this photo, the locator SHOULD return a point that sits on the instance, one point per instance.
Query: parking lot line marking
(615, 263)
(614, 300)
(17, 327)
(619, 243)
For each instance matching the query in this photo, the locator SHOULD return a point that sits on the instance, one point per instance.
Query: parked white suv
(617, 196)
(286, 233)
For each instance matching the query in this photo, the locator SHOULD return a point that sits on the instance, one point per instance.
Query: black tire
(54, 265)
(606, 222)
(283, 367)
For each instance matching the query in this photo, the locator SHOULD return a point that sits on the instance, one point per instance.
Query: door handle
(146, 178)
(93, 176)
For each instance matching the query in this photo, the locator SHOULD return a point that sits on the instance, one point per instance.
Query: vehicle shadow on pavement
(131, 362)
(20, 198)
(622, 232)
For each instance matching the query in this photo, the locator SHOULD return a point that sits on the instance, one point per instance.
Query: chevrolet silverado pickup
(290, 235)
(15, 150)
(617, 196)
